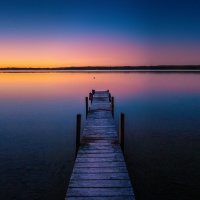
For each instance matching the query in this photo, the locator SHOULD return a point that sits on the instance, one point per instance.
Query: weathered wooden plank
(101, 198)
(99, 192)
(98, 148)
(96, 125)
(88, 130)
(107, 176)
(95, 146)
(100, 133)
(99, 159)
(99, 115)
(91, 170)
(102, 155)
(103, 149)
(100, 130)
(100, 119)
(100, 137)
(92, 118)
(92, 151)
(103, 164)
(100, 183)
(100, 126)
(105, 128)
(99, 142)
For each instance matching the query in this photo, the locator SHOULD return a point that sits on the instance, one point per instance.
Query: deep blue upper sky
(147, 18)
(152, 22)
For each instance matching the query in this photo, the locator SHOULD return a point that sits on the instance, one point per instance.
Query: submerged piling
(90, 97)
(112, 106)
(78, 131)
(86, 106)
(121, 131)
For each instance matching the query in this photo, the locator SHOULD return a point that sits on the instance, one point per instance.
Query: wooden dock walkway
(100, 172)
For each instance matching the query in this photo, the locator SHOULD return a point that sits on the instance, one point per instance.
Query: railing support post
(86, 106)
(78, 131)
(121, 131)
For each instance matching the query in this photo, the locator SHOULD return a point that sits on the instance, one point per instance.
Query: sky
(61, 33)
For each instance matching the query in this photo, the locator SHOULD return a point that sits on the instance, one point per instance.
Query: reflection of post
(78, 131)
(112, 104)
(121, 131)
(86, 105)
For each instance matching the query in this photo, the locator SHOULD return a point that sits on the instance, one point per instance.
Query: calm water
(37, 131)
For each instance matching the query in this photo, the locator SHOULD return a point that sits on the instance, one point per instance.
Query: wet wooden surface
(100, 172)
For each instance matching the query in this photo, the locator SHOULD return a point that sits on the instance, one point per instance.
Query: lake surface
(162, 131)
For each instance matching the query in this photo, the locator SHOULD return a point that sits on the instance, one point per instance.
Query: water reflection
(37, 126)
(162, 146)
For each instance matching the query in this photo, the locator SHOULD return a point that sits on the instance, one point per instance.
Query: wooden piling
(121, 131)
(86, 106)
(109, 97)
(90, 97)
(112, 106)
(78, 131)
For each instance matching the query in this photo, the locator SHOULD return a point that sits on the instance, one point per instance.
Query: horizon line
(102, 66)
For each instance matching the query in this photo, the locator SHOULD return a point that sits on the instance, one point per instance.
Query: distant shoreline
(161, 68)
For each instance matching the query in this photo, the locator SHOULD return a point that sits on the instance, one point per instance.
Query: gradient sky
(58, 33)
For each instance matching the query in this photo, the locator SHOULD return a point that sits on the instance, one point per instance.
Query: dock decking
(100, 172)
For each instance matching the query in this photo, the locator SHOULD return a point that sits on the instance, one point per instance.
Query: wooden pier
(100, 172)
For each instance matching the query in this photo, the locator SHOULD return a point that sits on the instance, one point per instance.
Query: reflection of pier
(100, 170)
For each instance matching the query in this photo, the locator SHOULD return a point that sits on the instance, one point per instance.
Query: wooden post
(90, 97)
(78, 131)
(109, 97)
(86, 106)
(121, 131)
(112, 100)
(112, 104)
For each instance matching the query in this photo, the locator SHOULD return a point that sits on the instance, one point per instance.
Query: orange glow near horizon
(33, 86)
(65, 53)
(91, 51)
